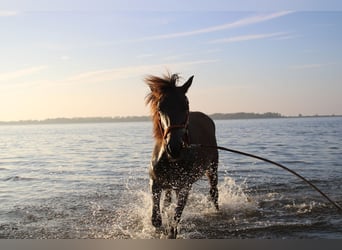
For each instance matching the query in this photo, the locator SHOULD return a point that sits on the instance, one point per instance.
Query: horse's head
(170, 110)
(173, 111)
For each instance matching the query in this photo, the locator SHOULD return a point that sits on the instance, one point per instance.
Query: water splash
(199, 217)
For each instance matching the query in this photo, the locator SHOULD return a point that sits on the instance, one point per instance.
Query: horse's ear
(187, 85)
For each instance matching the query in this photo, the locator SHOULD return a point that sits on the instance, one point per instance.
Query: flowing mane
(158, 87)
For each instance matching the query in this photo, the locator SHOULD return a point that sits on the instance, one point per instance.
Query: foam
(134, 220)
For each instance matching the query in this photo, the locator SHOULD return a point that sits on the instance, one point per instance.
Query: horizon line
(145, 117)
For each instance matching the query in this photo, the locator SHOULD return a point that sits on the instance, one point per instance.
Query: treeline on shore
(216, 116)
(242, 115)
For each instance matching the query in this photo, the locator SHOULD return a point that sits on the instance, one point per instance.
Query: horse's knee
(212, 174)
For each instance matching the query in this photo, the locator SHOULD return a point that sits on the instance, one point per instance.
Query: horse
(175, 165)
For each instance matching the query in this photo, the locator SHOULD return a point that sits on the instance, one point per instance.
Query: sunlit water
(91, 181)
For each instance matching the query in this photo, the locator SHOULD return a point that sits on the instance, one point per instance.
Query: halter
(185, 126)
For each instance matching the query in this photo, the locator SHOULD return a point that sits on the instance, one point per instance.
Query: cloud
(250, 37)
(6, 76)
(7, 13)
(287, 36)
(239, 23)
(96, 76)
(128, 72)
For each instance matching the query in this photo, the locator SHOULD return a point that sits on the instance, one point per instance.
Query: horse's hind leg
(213, 179)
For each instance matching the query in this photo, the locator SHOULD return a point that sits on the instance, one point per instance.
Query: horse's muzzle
(176, 139)
(174, 148)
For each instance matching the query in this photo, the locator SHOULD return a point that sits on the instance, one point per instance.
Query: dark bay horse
(175, 165)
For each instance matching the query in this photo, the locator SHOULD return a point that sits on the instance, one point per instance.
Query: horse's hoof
(172, 233)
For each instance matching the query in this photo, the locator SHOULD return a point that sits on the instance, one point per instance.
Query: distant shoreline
(216, 116)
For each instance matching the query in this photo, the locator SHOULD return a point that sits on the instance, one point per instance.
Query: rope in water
(274, 163)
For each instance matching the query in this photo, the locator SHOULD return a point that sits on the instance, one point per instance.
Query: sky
(89, 58)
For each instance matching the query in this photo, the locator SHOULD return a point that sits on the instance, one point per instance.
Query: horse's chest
(177, 174)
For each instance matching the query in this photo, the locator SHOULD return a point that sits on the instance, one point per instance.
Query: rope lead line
(274, 163)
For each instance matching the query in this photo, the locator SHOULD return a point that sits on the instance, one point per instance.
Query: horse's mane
(158, 86)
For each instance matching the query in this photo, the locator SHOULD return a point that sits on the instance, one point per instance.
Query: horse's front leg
(156, 193)
(182, 196)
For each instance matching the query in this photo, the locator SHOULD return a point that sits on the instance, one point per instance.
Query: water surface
(91, 181)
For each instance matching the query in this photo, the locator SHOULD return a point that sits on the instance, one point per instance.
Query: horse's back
(201, 129)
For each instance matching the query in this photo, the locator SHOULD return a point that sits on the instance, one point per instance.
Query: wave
(18, 178)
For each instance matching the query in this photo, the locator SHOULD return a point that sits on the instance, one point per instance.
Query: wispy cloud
(239, 23)
(287, 36)
(6, 13)
(249, 37)
(128, 72)
(6, 76)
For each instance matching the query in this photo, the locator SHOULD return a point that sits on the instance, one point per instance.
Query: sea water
(91, 181)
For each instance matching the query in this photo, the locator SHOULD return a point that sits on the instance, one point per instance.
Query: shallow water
(91, 181)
